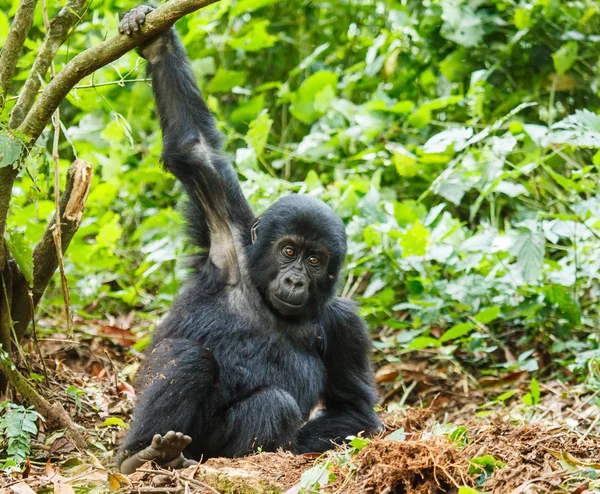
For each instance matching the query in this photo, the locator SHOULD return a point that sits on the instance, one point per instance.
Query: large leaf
(529, 249)
(580, 129)
(314, 95)
(415, 240)
(249, 110)
(10, 150)
(225, 80)
(22, 251)
(461, 23)
(254, 39)
(259, 132)
(457, 331)
(458, 136)
(565, 57)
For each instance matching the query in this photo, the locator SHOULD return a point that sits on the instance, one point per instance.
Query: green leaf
(406, 163)
(455, 66)
(460, 437)
(258, 132)
(423, 342)
(457, 331)
(415, 240)
(488, 315)
(535, 391)
(484, 465)
(522, 18)
(458, 137)
(469, 490)
(249, 110)
(372, 236)
(225, 80)
(359, 442)
(565, 57)
(420, 118)
(461, 23)
(10, 150)
(315, 477)
(255, 39)
(110, 232)
(4, 27)
(22, 251)
(306, 99)
(397, 435)
(114, 421)
(562, 297)
(580, 129)
(505, 396)
(530, 249)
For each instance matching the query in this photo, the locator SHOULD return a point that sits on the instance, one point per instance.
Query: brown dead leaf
(61, 445)
(51, 471)
(388, 373)
(118, 335)
(97, 370)
(21, 488)
(62, 487)
(312, 456)
(126, 389)
(511, 377)
(582, 488)
(27, 468)
(569, 458)
(116, 481)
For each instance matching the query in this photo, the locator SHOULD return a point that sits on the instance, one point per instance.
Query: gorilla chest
(270, 359)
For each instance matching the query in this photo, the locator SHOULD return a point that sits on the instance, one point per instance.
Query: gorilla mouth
(285, 303)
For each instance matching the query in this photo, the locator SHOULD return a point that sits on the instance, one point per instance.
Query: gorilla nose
(293, 282)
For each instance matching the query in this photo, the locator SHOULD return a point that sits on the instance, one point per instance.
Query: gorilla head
(298, 250)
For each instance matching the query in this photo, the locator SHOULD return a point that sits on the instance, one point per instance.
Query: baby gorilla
(256, 338)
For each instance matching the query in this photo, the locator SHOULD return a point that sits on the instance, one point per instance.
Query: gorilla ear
(253, 234)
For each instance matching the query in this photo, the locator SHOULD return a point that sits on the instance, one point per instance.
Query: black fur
(256, 338)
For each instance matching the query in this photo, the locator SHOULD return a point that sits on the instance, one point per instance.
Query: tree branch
(55, 37)
(13, 45)
(8, 174)
(100, 55)
(45, 261)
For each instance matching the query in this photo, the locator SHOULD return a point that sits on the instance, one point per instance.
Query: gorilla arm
(349, 392)
(220, 213)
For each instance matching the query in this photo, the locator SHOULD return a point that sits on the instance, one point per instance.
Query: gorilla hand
(155, 47)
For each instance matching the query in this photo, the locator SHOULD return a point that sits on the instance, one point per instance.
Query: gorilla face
(297, 255)
(302, 270)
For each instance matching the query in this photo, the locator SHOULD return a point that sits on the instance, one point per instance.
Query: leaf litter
(438, 438)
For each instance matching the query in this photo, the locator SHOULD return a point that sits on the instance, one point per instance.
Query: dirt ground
(446, 432)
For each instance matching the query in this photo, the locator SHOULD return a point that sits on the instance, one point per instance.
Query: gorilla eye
(289, 252)
(314, 260)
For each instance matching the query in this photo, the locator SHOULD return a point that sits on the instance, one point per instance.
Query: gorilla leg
(175, 382)
(268, 419)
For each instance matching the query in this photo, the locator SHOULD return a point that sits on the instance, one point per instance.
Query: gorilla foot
(165, 450)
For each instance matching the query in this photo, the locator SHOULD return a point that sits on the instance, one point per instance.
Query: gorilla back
(256, 338)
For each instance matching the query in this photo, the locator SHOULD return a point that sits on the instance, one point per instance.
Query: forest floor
(446, 431)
